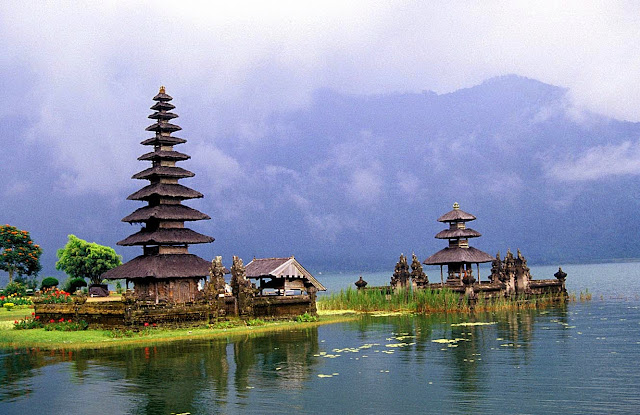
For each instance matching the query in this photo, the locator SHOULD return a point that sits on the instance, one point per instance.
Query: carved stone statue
(418, 276)
(361, 283)
(561, 275)
(401, 275)
(497, 270)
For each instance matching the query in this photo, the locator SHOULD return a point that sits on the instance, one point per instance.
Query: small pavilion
(458, 256)
(166, 271)
(283, 275)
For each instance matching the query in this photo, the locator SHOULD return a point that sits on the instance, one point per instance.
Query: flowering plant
(34, 322)
(15, 299)
(54, 296)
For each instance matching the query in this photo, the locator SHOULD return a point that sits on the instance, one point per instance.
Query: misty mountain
(350, 182)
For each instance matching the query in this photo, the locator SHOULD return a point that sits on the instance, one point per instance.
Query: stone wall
(130, 313)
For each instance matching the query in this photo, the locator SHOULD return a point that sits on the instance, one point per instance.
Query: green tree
(81, 259)
(18, 254)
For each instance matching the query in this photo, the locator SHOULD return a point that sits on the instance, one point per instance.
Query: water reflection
(175, 377)
(375, 364)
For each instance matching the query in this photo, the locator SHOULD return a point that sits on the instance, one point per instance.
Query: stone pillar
(510, 272)
(214, 289)
(523, 276)
(241, 288)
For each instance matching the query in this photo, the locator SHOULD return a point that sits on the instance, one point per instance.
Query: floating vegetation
(399, 344)
(446, 341)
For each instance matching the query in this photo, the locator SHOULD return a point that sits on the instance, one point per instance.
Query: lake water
(580, 358)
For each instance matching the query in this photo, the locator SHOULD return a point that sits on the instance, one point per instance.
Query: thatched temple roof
(458, 255)
(165, 212)
(456, 215)
(163, 127)
(458, 233)
(163, 115)
(161, 266)
(165, 140)
(163, 171)
(169, 190)
(164, 155)
(163, 236)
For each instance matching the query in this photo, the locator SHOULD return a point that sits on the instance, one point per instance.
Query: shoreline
(100, 338)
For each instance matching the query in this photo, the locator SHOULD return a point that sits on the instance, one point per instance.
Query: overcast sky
(77, 80)
(73, 73)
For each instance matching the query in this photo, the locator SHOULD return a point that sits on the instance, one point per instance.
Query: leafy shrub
(119, 287)
(306, 318)
(256, 322)
(66, 325)
(48, 282)
(28, 323)
(15, 288)
(119, 333)
(226, 324)
(75, 284)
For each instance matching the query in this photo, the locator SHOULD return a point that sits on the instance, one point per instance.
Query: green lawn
(95, 339)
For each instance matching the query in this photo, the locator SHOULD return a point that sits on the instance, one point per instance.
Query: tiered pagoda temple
(166, 271)
(458, 256)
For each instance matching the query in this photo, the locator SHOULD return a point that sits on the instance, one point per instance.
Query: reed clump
(418, 301)
(424, 301)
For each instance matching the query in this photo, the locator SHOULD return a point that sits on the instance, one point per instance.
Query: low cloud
(599, 163)
(365, 186)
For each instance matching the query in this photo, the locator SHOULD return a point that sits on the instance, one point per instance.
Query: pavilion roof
(161, 266)
(280, 268)
(455, 255)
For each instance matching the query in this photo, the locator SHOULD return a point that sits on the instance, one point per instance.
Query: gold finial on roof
(456, 206)
(162, 91)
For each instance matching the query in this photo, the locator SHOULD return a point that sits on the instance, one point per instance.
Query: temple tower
(165, 271)
(458, 256)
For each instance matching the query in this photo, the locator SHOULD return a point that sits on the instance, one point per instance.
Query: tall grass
(419, 301)
(423, 301)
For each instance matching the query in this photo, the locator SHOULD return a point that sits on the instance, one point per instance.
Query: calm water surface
(580, 358)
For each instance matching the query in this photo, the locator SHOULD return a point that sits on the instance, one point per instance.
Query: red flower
(154, 324)
(33, 314)
(15, 321)
(52, 321)
(146, 324)
(37, 317)
(61, 318)
(69, 320)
